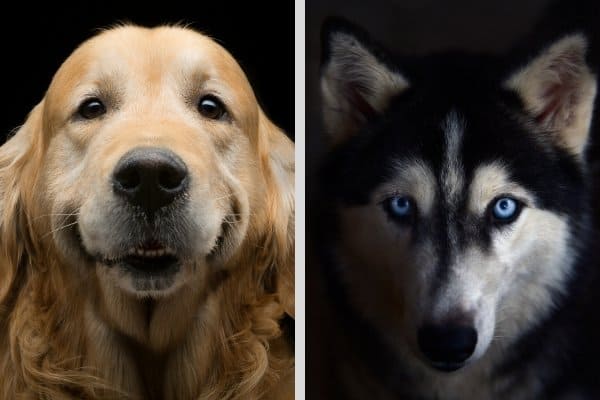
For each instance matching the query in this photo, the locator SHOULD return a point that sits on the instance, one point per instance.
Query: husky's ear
(357, 81)
(558, 89)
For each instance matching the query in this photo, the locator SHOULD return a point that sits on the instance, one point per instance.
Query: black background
(36, 41)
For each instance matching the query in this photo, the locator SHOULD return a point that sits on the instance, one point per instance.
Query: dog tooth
(140, 252)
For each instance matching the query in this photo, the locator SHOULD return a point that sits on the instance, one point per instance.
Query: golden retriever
(147, 229)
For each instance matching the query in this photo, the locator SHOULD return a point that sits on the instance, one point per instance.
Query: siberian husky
(455, 225)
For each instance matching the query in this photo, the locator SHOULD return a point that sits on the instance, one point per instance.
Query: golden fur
(67, 331)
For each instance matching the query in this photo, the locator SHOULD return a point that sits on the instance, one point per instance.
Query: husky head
(458, 190)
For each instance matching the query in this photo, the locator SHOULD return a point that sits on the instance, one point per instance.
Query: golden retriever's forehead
(151, 52)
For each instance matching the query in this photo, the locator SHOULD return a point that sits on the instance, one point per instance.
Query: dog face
(151, 154)
(146, 205)
(455, 193)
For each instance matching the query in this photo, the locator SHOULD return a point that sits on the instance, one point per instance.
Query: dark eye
(505, 209)
(91, 108)
(211, 107)
(401, 208)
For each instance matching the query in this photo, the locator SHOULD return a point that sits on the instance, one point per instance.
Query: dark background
(35, 41)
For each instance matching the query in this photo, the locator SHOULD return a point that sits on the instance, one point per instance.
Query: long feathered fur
(235, 353)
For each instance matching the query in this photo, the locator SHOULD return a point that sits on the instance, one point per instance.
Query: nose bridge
(162, 129)
(145, 128)
(167, 131)
(447, 228)
(456, 298)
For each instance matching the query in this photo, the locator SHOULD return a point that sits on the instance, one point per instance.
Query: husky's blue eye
(400, 207)
(505, 209)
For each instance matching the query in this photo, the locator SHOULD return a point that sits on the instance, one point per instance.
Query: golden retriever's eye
(211, 107)
(91, 108)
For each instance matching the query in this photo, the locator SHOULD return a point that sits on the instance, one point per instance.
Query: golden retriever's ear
(16, 182)
(280, 154)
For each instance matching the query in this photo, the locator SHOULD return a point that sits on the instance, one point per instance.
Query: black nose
(150, 178)
(447, 346)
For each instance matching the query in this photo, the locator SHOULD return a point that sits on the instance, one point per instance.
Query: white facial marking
(412, 178)
(452, 176)
(508, 287)
(489, 181)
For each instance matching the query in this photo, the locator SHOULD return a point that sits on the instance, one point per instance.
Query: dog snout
(150, 178)
(447, 346)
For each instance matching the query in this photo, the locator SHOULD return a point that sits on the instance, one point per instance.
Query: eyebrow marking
(452, 174)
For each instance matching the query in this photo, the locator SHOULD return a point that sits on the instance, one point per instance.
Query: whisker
(502, 337)
(59, 229)
(57, 215)
(239, 214)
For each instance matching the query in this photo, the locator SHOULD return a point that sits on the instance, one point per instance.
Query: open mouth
(150, 257)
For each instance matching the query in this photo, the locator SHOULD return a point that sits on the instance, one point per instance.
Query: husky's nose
(150, 178)
(447, 346)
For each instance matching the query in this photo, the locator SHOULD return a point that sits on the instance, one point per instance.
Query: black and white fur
(454, 133)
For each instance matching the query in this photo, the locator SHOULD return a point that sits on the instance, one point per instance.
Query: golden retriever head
(150, 173)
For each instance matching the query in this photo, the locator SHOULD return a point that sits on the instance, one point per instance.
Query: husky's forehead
(454, 124)
(416, 177)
